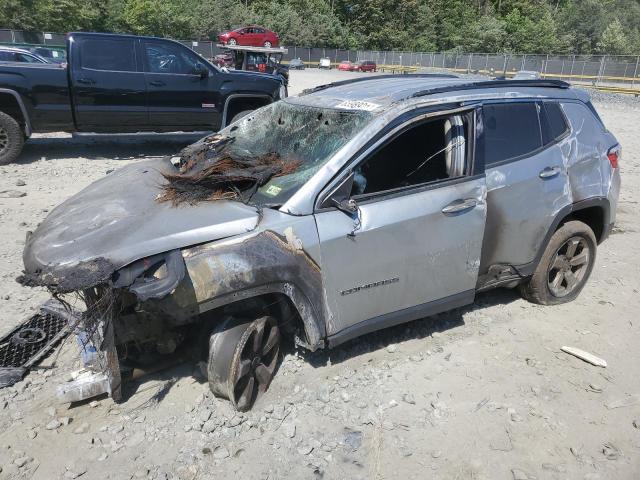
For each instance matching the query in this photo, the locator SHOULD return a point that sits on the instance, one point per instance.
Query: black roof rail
(377, 77)
(472, 85)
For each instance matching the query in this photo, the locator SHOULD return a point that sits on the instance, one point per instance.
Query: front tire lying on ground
(11, 139)
(243, 356)
(564, 267)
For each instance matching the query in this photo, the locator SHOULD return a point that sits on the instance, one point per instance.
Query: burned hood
(117, 220)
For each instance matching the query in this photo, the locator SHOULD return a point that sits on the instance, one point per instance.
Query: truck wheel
(564, 267)
(243, 356)
(11, 139)
(239, 115)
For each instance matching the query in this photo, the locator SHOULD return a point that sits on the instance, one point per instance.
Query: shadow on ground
(106, 147)
(415, 330)
(163, 380)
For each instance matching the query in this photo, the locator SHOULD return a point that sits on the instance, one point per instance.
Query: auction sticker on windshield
(358, 105)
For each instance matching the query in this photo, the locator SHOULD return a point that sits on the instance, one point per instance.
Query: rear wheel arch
(593, 212)
(595, 216)
(12, 105)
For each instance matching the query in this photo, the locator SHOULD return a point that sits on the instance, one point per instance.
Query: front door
(250, 37)
(108, 87)
(183, 92)
(412, 246)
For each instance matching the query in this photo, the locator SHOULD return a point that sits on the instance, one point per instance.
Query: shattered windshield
(264, 158)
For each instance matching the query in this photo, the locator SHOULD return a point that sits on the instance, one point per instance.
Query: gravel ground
(482, 392)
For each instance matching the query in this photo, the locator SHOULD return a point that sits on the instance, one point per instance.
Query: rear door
(178, 95)
(527, 183)
(411, 247)
(250, 37)
(108, 87)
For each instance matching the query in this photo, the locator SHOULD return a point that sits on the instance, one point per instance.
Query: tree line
(510, 26)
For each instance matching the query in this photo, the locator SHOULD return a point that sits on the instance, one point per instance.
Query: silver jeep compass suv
(353, 207)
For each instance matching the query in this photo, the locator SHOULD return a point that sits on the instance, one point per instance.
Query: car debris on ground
(586, 356)
(33, 340)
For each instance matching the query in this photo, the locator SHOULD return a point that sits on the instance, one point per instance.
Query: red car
(253, 36)
(346, 66)
(366, 66)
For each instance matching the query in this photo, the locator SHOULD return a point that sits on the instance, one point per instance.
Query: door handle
(157, 83)
(86, 81)
(460, 206)
(549, 172)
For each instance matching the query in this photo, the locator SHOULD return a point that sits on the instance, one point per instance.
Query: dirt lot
(478, 393)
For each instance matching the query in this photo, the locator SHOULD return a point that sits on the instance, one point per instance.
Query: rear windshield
(310, 135)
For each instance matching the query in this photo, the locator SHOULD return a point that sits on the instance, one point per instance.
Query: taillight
(614, 156)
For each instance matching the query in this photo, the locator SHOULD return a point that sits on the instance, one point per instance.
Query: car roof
(385, 90)
(14, 49)
(119, 35)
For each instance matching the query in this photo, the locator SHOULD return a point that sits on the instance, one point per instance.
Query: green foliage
(518, 26)
(158, 17)
(614, 40)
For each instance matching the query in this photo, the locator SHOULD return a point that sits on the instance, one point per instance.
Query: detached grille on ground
(32, 341)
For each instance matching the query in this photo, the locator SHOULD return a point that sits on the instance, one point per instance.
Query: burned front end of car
(164, 253)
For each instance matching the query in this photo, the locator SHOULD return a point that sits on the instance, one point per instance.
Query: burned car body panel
(283, 258)
(116, 220)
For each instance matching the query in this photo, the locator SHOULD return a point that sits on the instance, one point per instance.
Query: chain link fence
(598, 70)
(615, 71)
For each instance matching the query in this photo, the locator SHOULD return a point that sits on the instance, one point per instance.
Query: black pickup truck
(124, 84)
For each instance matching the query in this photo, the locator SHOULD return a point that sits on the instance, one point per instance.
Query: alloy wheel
(568, 267)
(243, 360)
(4, 139)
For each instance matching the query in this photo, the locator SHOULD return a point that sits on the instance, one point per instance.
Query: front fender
(221, 273)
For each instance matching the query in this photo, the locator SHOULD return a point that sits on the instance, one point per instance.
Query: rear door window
(511, 130)
(110, 54)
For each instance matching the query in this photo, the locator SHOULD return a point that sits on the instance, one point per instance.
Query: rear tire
(565, 266)
(267, 44)
(11, 139)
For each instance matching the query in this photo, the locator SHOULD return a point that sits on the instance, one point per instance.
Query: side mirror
(201, 71)
(339, 197)
(347, 206)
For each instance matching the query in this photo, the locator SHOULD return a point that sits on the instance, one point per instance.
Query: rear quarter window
(511, 130)
(584, 122)
(554, 124)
